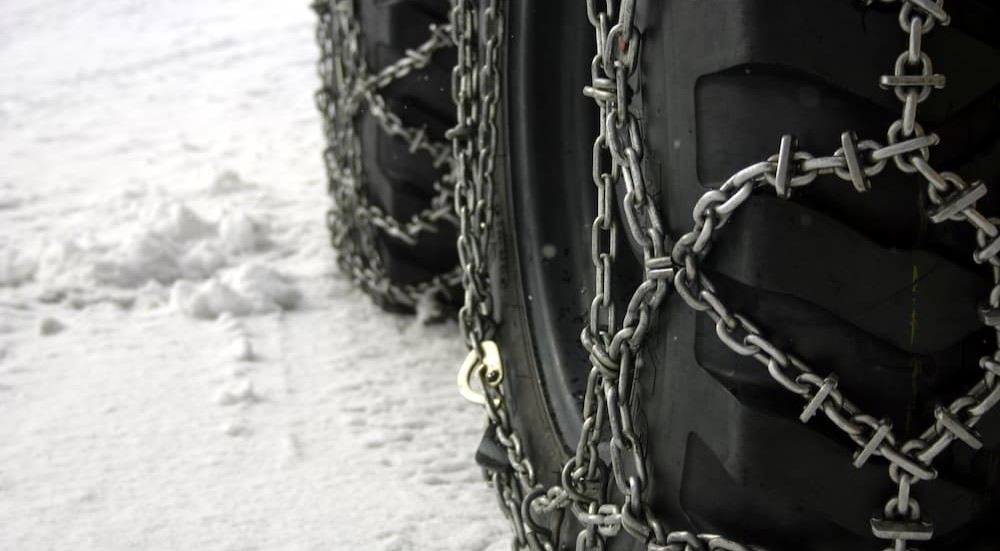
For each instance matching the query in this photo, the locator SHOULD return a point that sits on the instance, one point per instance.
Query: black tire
(399, 181)
(862, 285)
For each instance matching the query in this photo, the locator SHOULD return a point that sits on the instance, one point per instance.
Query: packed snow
(181, 365)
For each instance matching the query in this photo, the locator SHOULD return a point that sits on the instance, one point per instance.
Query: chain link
(349, 88)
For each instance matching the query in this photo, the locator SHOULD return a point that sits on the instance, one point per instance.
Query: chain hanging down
(615, 343)
(478, 34)
(349, 88)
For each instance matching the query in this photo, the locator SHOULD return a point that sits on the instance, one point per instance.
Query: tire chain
(615, 347)
(356, 225)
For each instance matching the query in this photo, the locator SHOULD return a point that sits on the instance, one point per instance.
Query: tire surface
(859, 285)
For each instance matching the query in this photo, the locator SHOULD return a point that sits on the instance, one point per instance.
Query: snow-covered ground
(181, 367)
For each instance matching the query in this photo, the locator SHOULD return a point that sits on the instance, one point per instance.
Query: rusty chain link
(348, 89)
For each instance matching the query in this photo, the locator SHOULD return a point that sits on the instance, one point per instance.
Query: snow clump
(147, 241)
(249, 289)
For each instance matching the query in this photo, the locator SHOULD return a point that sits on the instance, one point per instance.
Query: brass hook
(490, 366)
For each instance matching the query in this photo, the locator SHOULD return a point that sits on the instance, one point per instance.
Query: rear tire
(401, 182)
(399, 178)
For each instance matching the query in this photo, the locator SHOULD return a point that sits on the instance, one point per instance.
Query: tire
(859, 284)
(398, 180)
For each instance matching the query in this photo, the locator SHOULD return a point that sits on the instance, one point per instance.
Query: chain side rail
(356, 225)
(477, 30)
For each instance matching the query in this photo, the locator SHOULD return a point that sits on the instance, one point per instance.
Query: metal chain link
(349, 88)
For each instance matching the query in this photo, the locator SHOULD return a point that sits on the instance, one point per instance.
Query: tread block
(783, 247)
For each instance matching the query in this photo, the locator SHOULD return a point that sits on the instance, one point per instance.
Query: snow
(181, 365)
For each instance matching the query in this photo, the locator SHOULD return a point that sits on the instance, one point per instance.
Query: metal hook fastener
(489, 365)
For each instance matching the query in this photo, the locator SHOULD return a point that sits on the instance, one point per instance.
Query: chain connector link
(855, 170)
(913, 81)
(908, 530)
(781, 179)
(933, 8)
(958, 202)
(947, 421)
(488, 368)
